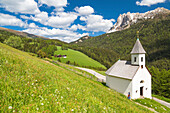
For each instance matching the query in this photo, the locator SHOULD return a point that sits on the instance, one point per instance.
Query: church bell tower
(138, 54)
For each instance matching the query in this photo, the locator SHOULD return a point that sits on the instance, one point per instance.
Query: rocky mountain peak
(124, 21)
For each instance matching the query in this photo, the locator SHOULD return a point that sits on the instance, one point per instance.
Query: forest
(40, 47)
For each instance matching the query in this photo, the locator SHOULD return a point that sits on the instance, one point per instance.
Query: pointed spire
(138, 47)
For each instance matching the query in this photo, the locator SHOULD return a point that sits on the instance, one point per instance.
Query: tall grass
(29, 84)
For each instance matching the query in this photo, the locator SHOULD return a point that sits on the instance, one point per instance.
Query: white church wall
(142, 74)
(121, 85)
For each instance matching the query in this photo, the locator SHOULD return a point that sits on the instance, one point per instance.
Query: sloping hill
(29, 84)
(23, 34)
(154, 36)
(77, 58)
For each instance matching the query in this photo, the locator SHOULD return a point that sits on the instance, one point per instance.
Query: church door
(141, 91)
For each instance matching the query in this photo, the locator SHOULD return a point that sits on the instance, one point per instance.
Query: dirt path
(162, 102)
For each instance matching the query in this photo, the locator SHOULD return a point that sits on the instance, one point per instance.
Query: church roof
(123, 69)
(138, 48)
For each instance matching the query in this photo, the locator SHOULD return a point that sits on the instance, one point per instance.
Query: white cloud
(58, 20)
(85, 10)
(149, 2)
(75, 27)
(63, 35)
(25, 17)
(61, 19)
(20, 6)
(56, 3)
(96, 23)
(10, 20)
(41, 17)
(32, 25)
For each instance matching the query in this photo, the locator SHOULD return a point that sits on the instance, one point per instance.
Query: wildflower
(32, 95)
(42, 104)
(104, 108)
(32, 83)
(10, 107)
(72, 110)
(155, 107)
(37, 108)
(61, 97)
(36, 80)
(151, 105)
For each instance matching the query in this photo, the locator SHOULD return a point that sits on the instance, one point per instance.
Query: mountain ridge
(125, 20)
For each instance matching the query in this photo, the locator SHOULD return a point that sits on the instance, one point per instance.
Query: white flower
(32, 83)
(151, 105)
(37, 108)
(104, 108)
(42, 104)
(61, 97)
(32, 95)
(10, 107)
(72, 110)
(155, 107)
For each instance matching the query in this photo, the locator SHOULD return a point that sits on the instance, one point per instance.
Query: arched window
(142, 81)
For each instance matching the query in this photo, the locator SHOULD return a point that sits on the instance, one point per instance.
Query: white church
(131, 77)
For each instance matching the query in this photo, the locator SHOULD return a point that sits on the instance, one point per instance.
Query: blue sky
(68, 20)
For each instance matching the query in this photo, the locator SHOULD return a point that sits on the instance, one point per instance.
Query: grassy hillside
(77, 57)
(154, 36)
(29, 84)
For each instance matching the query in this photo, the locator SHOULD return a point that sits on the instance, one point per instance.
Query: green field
(30, 84)
(77, 57)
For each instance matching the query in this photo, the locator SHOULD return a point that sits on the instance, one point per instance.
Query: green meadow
(77, 57)
(30, 84)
